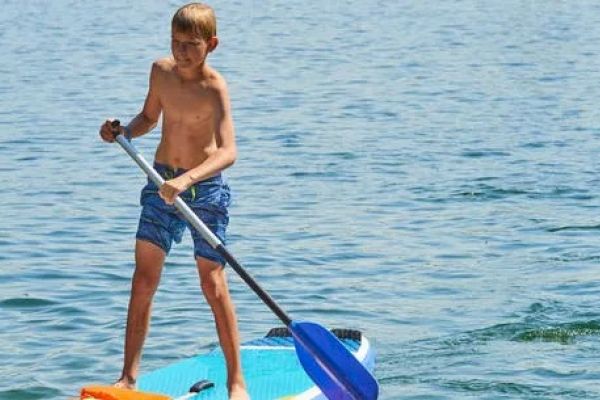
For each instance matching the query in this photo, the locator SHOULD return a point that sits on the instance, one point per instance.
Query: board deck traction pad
(271, 370)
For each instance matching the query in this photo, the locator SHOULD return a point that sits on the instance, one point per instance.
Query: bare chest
(184, 101)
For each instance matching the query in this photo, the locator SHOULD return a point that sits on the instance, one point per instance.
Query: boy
(197, 143)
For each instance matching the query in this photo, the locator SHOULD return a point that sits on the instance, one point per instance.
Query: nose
(180, 48)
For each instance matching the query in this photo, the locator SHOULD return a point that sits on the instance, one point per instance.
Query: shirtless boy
(197, 143)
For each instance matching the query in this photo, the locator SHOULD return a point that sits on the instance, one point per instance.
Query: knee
(213, 288)
(144, 284)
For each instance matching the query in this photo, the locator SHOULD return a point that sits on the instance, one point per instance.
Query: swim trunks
(161, 223)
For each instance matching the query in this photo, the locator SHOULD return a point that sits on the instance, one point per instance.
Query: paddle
(330, 365)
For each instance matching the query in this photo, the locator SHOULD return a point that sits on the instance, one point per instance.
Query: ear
(213, 42)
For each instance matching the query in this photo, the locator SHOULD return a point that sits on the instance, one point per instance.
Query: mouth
(182, 60)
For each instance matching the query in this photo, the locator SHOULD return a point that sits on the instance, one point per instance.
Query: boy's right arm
(147, 119)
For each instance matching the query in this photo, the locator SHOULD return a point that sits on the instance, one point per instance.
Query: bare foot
(238, 392)
(125, 383)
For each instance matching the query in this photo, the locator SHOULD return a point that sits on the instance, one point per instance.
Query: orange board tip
(113, 393)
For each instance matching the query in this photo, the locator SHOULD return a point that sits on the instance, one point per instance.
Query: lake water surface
(426, 172)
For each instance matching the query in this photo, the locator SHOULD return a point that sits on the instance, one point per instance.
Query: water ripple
(424, 172)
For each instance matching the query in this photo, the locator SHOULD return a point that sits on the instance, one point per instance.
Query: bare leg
(214, 286)
(149, 260)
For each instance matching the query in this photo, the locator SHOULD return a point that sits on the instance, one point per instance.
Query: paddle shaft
(206, 233)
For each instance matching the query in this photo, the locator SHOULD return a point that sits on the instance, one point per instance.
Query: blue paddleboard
(271, 369)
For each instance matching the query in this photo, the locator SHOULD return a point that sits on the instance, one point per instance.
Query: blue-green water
(426, 172)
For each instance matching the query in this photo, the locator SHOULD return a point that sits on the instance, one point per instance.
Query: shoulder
(161, 71)
(218, 86)
(164, 65)
(216, 81)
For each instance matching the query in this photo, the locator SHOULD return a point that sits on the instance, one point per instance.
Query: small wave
(542, 321)
(484, 153)
(511, 388)
(483, 191)
(575, 228)
(26, 302)
(489, 192)
(561, 333)
(480, 336)
(479, 192)
(547, 321)
(30, 393)
(569, 258)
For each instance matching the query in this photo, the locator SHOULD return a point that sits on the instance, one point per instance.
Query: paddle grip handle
(115, 125)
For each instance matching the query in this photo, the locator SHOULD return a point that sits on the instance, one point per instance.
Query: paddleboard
(271, 369)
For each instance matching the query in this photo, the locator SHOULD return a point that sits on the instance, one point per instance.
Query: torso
(189, 110)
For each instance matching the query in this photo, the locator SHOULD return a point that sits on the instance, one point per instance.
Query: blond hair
(195, 18)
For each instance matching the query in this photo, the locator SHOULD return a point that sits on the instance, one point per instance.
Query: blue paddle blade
(330, 365)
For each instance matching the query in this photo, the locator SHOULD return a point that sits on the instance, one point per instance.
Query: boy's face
(189, 50)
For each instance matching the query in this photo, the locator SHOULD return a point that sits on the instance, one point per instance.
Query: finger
(105, 131)
(168, 194)
(164, 194)
(107, 137)
(166, 199)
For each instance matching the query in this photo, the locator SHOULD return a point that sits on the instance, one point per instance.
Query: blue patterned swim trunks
(161, 223)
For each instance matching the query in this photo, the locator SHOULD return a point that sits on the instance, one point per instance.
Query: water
(423, 171)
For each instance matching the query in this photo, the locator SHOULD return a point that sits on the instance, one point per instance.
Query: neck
(193, 73)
